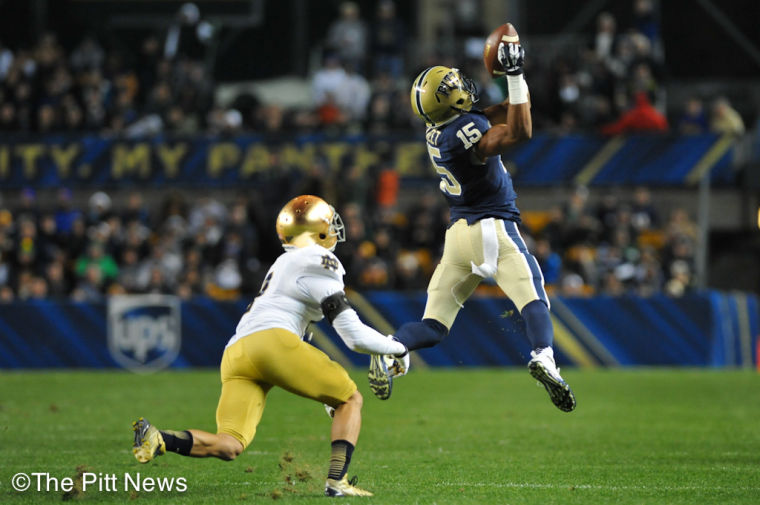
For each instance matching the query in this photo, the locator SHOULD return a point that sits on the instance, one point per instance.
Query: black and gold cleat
(148, 441)
(380, 380)
(344, 487)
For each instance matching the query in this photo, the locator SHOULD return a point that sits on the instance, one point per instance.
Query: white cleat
(545, 371)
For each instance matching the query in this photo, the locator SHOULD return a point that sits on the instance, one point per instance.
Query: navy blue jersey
(474, 190)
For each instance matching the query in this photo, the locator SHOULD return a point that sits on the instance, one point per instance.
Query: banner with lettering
(97, 161)
(215, 161)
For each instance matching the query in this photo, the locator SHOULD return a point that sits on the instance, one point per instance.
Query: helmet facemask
(459, 89)
(440, 94)
(337, 228)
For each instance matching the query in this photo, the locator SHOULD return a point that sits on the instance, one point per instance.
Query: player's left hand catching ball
(512, 57)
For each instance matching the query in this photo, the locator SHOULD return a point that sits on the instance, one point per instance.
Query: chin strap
(490, 250)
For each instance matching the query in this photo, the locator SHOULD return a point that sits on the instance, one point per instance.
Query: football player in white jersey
(303, 285)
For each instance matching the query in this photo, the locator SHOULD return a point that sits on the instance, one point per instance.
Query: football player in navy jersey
(482, 241)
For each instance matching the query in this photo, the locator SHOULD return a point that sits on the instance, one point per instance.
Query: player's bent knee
(356, 400)
(229, 448)
(230, 453)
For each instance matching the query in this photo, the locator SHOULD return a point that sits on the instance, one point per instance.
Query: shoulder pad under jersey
(316, 260)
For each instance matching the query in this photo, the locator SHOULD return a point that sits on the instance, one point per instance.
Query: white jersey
(292, 290)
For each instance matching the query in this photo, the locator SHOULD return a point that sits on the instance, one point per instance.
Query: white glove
(400, 365)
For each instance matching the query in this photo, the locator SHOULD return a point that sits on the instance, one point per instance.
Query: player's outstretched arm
(511, 119)
(358, 336)
(499, 137)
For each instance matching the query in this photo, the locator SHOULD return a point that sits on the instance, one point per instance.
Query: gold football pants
(276, 357)
(516, 270)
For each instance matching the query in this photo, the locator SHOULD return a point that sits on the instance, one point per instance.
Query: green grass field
(478, 436)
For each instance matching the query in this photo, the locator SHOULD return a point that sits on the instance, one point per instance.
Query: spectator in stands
(6, 61)
(326, 85)
(194, 275)
(157, 282)
(388, 41)
(28, 206)
(50, 242)
(549, 261)
(410, 275)
(605, 39)
(188, 35)
(90, 287)
(6, 294)
(642, 117)
(99, 208)
(385, 111)
(96, 257)
(353, 97)
(606, 214)
(572, 285)
(649, 273)
(38, 288)
(645, 22)
(87, 55)
(678, 253)
(347, 36)
(129, 270)
(5, 265)
(373, 271)
(644, 215)
(8, 122)
(680, 278)
(724, 119)
(693, 120)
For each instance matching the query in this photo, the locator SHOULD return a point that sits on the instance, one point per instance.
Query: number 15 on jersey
(469, 135)
(449, 184)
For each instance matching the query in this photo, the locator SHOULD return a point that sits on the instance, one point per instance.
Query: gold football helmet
(307, 220)
(439, 94)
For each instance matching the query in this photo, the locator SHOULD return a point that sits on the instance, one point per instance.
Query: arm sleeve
(361, 338)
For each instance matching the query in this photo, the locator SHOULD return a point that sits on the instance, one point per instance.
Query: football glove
(511, 57)
(400, 366)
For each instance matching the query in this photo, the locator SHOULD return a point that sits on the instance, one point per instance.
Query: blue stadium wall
(709, 329)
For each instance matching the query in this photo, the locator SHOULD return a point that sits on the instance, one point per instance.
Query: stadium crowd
(222, 248)
(204, 246)
(612, 84)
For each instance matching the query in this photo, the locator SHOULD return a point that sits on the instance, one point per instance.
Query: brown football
(505, 33)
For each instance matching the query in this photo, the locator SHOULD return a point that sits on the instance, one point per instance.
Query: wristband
(518, 89)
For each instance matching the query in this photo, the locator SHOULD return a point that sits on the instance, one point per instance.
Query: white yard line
(529, 485)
